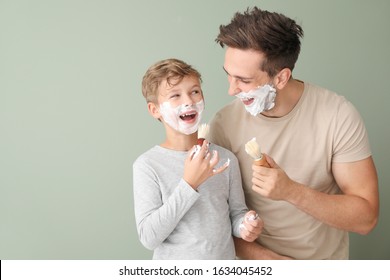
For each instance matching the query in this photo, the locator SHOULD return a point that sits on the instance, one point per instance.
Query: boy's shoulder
(146, 156)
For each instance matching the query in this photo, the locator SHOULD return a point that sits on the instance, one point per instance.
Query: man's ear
(282, 78)
(154, 110)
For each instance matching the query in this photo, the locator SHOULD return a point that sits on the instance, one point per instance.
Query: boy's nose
(189, 100)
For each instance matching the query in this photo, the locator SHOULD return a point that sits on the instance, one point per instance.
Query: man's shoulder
(319, 92)
(321, 97)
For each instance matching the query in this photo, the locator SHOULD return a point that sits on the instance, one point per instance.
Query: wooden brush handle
(262, 162)
(200, 141)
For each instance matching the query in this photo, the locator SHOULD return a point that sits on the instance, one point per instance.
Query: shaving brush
(252, 148)
(203, 131)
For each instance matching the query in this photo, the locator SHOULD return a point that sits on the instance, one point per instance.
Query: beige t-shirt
(321, 129)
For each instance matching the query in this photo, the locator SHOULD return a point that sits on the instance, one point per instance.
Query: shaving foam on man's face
(259, 99)
(183, 118)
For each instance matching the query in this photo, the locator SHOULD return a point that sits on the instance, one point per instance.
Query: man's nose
(233, 87)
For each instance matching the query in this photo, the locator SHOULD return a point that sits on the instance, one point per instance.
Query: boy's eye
(174, 95)
(196, 92)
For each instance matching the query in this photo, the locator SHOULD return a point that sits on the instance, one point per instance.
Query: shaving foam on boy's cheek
(172, 116)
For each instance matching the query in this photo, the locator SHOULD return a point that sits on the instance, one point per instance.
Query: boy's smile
(189, 116)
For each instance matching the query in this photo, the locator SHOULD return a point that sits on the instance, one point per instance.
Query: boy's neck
(180, 142)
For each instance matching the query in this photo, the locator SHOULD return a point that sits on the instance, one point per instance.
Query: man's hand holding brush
(268, 179)
(273, 182)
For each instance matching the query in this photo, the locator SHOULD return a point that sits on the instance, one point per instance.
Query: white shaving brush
(253, 149)
(203, 131)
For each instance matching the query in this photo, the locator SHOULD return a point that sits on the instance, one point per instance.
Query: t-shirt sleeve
(237, 205)
(351, 139)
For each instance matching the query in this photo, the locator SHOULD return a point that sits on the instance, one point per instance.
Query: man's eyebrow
(237, 77)
(223, 67)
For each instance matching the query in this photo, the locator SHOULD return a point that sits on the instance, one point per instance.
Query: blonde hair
(172, 70)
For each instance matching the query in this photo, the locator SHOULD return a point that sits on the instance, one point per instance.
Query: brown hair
(273, 34)
(172, 70)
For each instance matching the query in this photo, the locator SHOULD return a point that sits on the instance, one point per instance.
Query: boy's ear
(154, 110)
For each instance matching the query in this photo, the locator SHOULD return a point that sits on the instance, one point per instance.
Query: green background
(73, 120)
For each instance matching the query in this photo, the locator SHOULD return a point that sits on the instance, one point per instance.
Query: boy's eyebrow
(174, 89)
(237, 77)
(196, 86)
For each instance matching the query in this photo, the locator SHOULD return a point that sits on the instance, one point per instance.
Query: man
(322, 182)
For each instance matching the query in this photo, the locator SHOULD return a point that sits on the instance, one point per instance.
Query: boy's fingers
(193, 153)
(222, 168)
(214, 159)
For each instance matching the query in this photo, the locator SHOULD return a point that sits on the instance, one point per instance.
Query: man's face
(243, 70)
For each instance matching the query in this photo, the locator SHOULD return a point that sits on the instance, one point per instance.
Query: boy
(186, 205)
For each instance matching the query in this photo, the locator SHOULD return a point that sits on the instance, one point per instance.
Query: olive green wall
(72, 118)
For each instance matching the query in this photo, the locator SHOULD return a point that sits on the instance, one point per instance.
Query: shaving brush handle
(262, 162)
(200, 141)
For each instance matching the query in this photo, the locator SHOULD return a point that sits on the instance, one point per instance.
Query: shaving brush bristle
(203, 131)
(253, 149)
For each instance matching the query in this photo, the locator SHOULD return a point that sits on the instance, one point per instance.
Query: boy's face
(179, 105)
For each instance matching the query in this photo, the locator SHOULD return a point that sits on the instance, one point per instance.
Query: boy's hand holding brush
(201, 163)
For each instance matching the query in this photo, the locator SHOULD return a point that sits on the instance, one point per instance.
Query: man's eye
(174, 96)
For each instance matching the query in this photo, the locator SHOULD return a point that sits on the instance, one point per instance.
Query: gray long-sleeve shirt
(178, 222)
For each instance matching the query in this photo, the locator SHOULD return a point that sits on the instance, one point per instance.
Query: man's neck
(286, 99)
